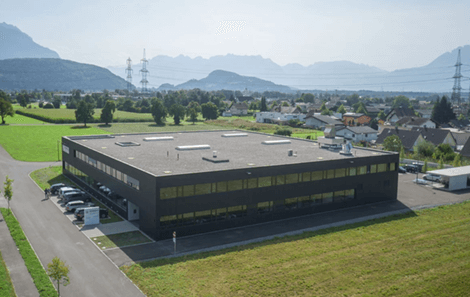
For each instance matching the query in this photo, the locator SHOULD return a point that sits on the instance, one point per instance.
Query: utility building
(192, 182)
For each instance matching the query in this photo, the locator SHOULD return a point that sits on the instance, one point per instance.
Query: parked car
(411, 168)
(64, 190)
(74, 196)
(432, 177)
(55, 188)
(401, 169)
(105, 190)
(420, 181)
(80, 213)
(73, 205)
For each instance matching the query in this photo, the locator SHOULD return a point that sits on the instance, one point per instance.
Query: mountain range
(16, 44)
(341, 75)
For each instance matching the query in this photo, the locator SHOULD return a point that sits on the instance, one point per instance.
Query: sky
(386, 34)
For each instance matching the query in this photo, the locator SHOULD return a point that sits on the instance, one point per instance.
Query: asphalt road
(51, 234)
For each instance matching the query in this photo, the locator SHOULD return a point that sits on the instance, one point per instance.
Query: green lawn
(6, 286)
(39, 275)
(38, 143)
(48, 176)
(313, 135)
(416, 254)
(21, 119)
(120, 240)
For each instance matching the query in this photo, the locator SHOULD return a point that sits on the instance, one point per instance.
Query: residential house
(318, 121)
(239, 109)
(353, 119)
(278, 117)
(437, 136)
(412, 122)
(398, 113)
(461, 139)
(356, 134)
(408, 138)
(465, 151)
(424, 113)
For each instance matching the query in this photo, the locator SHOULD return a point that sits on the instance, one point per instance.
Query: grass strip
(6, 286)
(426, 253)
(120, 239)
(39, 275)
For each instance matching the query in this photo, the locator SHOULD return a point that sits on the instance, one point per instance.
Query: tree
(308, 97)
(56, 102)
(59, 272)
(444, 151)
(425, 166)
(84, 112)
(263, 106)
(158, 112)
(192, 114)
(461, 117)
(442, 111)
(381, 115)
(285, 103)
(402, 101)
(441, 164)
(424, 149)
(6, 109)
(374, 124)
(22, 99)
(341, 109)
(402, 153)
(8, 190)
(392, 143)
(457, 162)
(209, 111)
(177, 111)
(107, 112)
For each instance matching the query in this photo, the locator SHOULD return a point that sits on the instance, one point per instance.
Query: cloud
(230, 26)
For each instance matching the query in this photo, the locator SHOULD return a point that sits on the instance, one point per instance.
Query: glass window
(341, 172)
(280, 180)
(330, 173)
(305, 176)
(361, 170)
(304, 198)
(266, 204)
(373, 168)
(235, 185)
(264, 181)
(118, 175)
(352, 171)
(204, 213)
(221, 211)
(202, 189)
(188, 215)
(252, 183)
(188, 190)
(392, 166)
(382, 167)
(349, 194)
(317, 175)
(180, 191)
(316, 198)
(327, 197)
(108, 170)
(168, 193)
(339, 193)
(290, 201)
(221, 187)
(292, 178)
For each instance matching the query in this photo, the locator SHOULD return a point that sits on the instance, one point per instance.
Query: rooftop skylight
(193, 147)
(276, 141)
(158, 138)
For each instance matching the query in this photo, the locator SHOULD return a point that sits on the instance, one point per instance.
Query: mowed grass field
(150, 128)
(416, 254)
(39, 143)
(21, 119)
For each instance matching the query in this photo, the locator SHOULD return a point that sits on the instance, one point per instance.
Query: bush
(48, 106)
(41, 104)
(283, 131)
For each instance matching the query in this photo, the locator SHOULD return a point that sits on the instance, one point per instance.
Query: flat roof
(456, 171)
(163, 158)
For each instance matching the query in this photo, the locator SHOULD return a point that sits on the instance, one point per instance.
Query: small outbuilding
(454, 178)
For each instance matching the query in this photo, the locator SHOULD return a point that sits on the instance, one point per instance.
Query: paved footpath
(19, 274)
(51, 234)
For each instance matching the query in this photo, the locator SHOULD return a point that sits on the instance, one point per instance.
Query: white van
(65, 190)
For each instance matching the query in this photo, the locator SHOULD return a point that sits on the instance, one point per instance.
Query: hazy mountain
(16, 44)
(341, 75)
(225, 80)
(56, 74)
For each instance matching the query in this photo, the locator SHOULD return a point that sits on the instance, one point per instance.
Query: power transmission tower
(144, 72)
(457, 88)
(129, 75)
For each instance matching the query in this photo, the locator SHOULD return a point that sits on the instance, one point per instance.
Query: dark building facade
(194, 182)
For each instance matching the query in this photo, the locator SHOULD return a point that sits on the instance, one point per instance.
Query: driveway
(51, 234)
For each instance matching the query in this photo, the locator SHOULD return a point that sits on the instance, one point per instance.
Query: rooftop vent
(276, 142)
(235, 135)
(158, 138)
(193, 147)
(127, 143)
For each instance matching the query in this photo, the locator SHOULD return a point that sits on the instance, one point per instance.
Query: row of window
(268, 181)
(121, 176)
(226, 213)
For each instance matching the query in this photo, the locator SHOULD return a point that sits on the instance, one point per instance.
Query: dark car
(401, 169)
(80, 213)
(74, 196)
(411, 168)
(55, 188)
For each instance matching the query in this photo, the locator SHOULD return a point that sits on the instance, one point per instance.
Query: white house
(239, 109)
(356, 134)
(415, 122)
(269, 117)
(319, 121)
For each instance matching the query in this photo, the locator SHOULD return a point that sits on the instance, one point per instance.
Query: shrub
(41, 104)
(283, 131)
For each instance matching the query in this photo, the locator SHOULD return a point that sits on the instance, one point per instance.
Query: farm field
(426, 253)
(39, 143)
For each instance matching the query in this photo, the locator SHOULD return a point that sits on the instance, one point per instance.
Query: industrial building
(193, 182)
